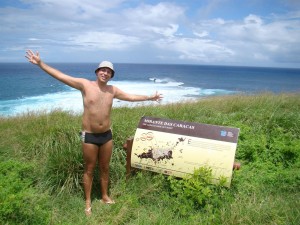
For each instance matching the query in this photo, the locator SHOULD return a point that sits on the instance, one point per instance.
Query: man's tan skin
(97, 101)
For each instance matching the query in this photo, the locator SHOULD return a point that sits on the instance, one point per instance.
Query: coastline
(132, 105)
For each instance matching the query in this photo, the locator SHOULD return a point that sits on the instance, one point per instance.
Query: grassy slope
(265, 191)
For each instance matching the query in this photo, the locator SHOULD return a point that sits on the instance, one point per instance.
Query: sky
(203, 32)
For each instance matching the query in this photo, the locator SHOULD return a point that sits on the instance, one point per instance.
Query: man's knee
(89, 170)
(104, 169)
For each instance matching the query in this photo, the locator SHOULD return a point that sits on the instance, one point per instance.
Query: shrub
(196, 191)
(20, 202)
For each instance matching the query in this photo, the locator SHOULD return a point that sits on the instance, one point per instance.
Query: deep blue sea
(24, 87)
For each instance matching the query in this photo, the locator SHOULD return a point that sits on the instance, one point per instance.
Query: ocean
(25, 88)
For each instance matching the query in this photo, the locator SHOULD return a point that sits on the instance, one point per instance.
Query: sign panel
(178, 148)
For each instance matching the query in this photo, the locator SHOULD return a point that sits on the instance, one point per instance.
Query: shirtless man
(96, 134)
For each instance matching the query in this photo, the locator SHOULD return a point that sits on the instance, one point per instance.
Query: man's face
(104, 74)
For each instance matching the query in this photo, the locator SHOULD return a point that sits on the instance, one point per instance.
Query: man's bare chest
(96, 97)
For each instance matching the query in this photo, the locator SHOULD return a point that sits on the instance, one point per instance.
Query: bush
(196, 191)
(20, 202)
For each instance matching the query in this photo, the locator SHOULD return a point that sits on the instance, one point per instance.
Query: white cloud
(33, 39)
(253, 38)
(167, 31)
(197, 50)
(202, 34)
(253, 20)
(103, 40)
(162, 13)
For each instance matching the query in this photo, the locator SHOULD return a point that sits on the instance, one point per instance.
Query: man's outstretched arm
(35, 59)
(119, 94)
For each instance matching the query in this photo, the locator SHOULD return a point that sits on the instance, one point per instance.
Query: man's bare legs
(92, 153)
(104, 160)
(90, 157)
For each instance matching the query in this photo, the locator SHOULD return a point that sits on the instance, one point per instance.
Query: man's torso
(97, 104)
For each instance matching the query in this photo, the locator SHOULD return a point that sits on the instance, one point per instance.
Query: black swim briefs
(96, 138)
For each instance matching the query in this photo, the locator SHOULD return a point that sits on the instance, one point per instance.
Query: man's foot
(107, 202)
(88, 211)
(88, 208)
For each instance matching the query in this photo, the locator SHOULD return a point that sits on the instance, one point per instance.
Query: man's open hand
(33, 58)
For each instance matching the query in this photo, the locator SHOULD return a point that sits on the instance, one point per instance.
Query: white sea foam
(168, 81)
(71, 100)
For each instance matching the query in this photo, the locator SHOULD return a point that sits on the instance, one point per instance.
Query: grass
(41, 168)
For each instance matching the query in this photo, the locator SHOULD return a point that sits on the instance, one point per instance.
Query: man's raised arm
(68, 80)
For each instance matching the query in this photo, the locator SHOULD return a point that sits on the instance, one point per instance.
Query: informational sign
(178, 148)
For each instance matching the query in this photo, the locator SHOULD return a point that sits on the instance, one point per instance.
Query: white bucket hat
(106, 64)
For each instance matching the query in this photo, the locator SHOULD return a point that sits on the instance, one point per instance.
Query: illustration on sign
(178, 148)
